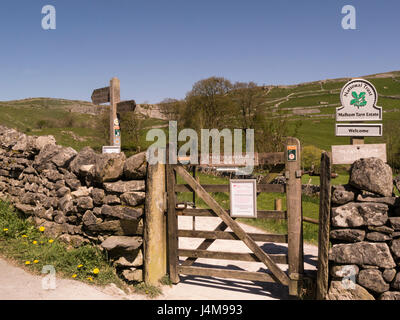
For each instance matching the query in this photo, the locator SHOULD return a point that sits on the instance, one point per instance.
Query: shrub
(311, 158)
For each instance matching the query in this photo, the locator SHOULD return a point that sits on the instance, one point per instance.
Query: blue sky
(158, 49)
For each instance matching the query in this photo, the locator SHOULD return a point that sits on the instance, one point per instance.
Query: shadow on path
(271, 289)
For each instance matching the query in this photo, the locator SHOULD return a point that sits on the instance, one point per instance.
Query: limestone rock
(98, 196)
(41, 141)
(133, 198)
(81, 192)
(64, 157)
(391, 201)
(343, 194)
(382, 229)
(52, 175)
(348, 235)
(60, 217)
(339, 291)
(85, 203)
(112, 199)
(395, 247)
(389, 274)
(122, 242)
(86, 156)
(125, 186)
(89, 218)
(378, 236)
(390, 295)
(395, 223)
(27, 209)
(117, 227)
(73, 184)
(109, 167)
(122, 212)
(341, 271)
(396, 282)
(131, 259)
(362, 253)
(372, 279)
(74, 240)
(136, 166)
(372, 174)
(61, 192)
(359, 214)
(133, 275)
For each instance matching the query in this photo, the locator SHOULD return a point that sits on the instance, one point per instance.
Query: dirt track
(17, 284)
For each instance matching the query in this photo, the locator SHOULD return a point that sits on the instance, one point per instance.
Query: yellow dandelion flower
(41, 229)
(27, 262)
(74, 275)
(96, 271)
(90, 278)
(5, 229)
(34, 242)
(35, 261)
(51, 241)
(24, 236)
(80, 266)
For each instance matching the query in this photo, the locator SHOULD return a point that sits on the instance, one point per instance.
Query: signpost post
(111, 94)
(358, 98)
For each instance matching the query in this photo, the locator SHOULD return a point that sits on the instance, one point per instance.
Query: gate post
(172, 219)
(155, 259)
(294, 213)
(324, 222)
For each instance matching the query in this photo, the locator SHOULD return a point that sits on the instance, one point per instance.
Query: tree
(247, 101)
(208, 102)
(174, 109)
(131, 126)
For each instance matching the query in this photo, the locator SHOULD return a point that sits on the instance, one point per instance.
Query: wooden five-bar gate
(293, 214)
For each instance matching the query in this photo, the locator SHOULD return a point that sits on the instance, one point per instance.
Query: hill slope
(313, 104)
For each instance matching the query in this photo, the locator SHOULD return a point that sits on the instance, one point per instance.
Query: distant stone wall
(365, 235)
(80, 197)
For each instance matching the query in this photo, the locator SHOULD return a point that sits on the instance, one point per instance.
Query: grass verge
(27, 246)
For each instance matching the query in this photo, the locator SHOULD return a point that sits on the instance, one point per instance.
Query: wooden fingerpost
(323, 232)
(294, 212)
(172, 223)
(114, 99)
(155, 242)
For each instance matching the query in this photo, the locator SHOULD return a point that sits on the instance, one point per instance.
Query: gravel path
(204, 288)
(17, 284)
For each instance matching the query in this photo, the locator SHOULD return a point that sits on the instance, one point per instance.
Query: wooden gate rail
(221, 255)
(224, 273)
(261, 214)
(221, 235)
(278, 188)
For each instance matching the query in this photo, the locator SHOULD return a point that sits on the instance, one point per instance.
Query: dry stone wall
(79, 197)
(365, 235)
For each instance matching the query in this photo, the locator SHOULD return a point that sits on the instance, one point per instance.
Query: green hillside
(309, 108)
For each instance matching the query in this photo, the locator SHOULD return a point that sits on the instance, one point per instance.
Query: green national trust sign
(359, 99)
